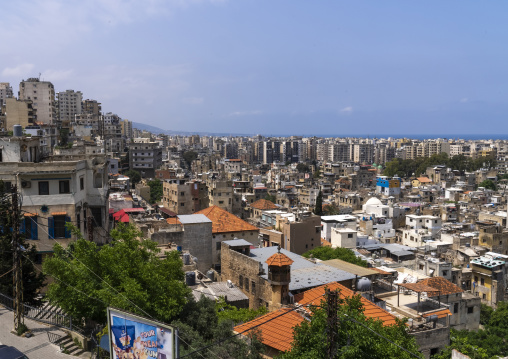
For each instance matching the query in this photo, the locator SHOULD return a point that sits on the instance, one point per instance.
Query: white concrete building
(337, 221)
(42, 95)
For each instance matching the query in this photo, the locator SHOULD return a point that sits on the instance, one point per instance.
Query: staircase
(65, 343)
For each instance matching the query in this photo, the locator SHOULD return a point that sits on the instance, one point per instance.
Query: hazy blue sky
(272, 67)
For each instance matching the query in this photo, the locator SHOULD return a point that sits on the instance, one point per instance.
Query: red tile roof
(279, 259)
(424, 179)
(278, 332)
(370, 309)
(440, 313)
(263, 204)
(173, 220)
(443, 285)
(224, 222)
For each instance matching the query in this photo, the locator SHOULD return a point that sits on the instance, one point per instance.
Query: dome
(374, 202)
(374, 164)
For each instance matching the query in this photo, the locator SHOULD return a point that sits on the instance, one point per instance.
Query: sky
(284, 67)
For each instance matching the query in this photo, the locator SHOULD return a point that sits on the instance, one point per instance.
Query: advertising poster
(135, 337)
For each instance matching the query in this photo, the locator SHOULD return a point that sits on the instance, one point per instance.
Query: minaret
(279, 276)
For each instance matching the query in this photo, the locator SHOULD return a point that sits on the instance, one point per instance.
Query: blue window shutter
(22, 225)
(51, 227)
(35, 234)
(67, 231)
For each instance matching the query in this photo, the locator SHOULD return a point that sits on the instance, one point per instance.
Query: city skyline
(275, 68)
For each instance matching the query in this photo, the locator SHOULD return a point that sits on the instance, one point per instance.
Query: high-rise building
(5, 92)
(42, 95)
(69, 105)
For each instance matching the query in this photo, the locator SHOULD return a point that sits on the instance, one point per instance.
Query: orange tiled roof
(420, 287)
(278, 332)
(424, 179)
(380, 271)
(224, 222)
(370, 309)
(263, 204)
(279, 259)
(443, 285)
(440, 313)
(173, 220)
(325, 243)
(30, 214)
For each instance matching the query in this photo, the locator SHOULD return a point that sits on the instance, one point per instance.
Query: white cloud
(22, 70)
(193, 100)
(57, 75)
(245, 113)
(348, 109)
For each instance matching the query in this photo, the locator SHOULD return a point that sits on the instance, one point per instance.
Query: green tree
(33, 280)
(200, 324)
(355, 335)
(488, 184)
(318, 210)
(317, 174)
(228, 312)
(302, 168)
(326, 253)
(89, 278)
(462, 345)
(330, 210)
(155, 190)
(271, 198)
(134, 177)
(189, 157)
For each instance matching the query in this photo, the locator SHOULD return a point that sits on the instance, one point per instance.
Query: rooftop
(224, 222)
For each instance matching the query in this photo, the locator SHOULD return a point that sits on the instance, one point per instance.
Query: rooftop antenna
(39, 76)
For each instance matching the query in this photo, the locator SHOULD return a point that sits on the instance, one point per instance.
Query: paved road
(36, 347)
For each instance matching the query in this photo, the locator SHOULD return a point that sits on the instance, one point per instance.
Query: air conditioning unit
(26, 184)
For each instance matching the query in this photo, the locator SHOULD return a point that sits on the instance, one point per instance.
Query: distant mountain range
(157, 130)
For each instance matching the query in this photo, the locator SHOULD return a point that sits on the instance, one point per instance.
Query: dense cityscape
(244, 246)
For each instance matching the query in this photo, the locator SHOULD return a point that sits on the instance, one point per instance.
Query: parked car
(7, 352)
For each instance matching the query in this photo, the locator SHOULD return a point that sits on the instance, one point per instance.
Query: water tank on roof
(186, 259)
(364, 284)
(190, 278)
(210, 275)
(179, 248)
(17, 131)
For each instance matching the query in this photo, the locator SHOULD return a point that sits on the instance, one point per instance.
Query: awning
(30, 214)
(440, 313)
(59, 213)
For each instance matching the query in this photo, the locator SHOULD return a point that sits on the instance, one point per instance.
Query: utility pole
(17, 278)
(89, 225)
(331, 327)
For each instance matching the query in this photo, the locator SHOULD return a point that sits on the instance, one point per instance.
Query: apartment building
(42, 95)
(145, 157)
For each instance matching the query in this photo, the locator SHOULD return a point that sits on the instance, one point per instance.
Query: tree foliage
(89, 278)
(318, 210)
(134, 177)
(489, 342)
(189, 156)
(33, 280)
(488, 184)
(228, 312)
(270, 197)
(302, 168)
(326, 253)
(330, 210)
(461, 163)
(200, 324)
(155, 190)
(354, 338)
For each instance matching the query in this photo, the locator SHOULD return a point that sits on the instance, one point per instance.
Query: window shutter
(22, 226)
(35, 234)
(67, 230)
(51, 227)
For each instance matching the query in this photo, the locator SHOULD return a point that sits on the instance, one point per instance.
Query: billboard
(132, 336)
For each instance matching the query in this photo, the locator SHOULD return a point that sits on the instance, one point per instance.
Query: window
(38, 259)
(246, 284)
(182, 204)
(456, 308)
(64, 186)
(240, 281)
(445, 273)
(218, 246)
(253, 287)
(97, 216)
(482, 281)
(470, 310)
(57, 228)
(182, 193)
(81, 183)
(350, 235)
(29, 227)
(43, 188)
(484, 296)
